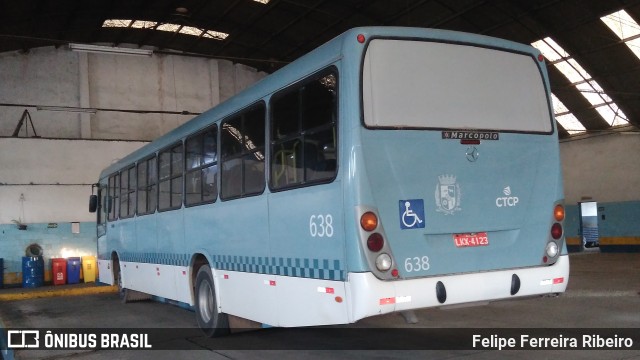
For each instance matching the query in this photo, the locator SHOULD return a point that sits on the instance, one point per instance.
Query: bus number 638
(417, 264)
(321, 225)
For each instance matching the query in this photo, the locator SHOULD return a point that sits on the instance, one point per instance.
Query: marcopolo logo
(507, 200)
(470, 135)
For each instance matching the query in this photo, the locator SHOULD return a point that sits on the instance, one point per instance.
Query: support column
(214, 81)
(85, 98)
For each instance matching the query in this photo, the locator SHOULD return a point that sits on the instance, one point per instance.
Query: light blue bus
(390, 169)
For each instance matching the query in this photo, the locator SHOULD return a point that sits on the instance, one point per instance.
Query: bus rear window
(420, 84)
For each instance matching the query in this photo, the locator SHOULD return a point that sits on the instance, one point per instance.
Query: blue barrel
(1, 273)
(32, 271)
(73, 270)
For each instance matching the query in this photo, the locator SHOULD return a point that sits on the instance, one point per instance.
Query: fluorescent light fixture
(262, 1)
(67, 109)
(109, 50)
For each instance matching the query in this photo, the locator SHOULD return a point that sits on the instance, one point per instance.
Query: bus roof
(313, 61)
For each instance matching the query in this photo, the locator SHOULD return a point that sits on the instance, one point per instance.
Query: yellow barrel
(89, 268)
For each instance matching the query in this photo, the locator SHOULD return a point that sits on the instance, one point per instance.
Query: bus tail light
(383, 262)
(552, 249)
(369, 221)
(556, 231)
(375, 242)
(558, 212)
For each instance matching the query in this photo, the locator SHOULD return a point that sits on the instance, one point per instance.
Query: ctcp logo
(507, 200)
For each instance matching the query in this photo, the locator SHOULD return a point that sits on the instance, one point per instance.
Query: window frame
(113, 195)
(216, 163)
(171, 177)
(127, 191)
(222, 158)
(149, 194)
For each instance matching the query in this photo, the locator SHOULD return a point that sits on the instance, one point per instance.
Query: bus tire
(117, 274)
(122, 292)
(212, 322)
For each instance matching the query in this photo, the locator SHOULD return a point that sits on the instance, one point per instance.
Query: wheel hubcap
(120, 289)
(205, 301)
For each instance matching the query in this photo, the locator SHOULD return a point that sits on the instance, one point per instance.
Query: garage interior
(57, 101)
(82, 84)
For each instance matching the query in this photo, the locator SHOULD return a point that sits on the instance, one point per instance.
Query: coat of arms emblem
(447, 195)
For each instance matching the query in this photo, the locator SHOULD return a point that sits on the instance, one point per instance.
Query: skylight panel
(215, 35)
(168, 27)
(552, 51)
(189, 30)
(622, 24)
(140, 24)
(568, 121)
(116, 23)
(572, 70)
(582, 80)
(627, 29)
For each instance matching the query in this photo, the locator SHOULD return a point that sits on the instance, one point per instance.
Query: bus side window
(170, 169)
(102, 211)
(202, 167)
(106, 205)
(114, 193)
(242, 146)
(141, 178)
(303, 133)
(210, 165)
(146, 178)
(231, 161)
(127, 192)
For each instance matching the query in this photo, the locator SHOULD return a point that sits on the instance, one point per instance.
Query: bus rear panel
(459, 160)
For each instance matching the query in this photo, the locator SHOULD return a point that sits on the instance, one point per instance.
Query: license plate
(471, 239)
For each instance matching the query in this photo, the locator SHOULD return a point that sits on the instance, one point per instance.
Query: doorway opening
(589, 224)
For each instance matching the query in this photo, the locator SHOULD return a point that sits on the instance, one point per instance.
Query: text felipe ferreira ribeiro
(524, 341)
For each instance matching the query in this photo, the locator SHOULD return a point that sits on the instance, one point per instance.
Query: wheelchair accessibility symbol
(411, 214)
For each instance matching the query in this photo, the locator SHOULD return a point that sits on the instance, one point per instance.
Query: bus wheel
(128, 295)
(122, 292)
(212, 322)
(117, 273)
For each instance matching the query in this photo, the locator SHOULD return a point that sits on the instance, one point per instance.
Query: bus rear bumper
(370, 296)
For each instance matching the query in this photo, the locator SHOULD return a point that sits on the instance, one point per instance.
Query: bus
(388, 170)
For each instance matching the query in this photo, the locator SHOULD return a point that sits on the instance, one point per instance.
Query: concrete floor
(603, 293)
